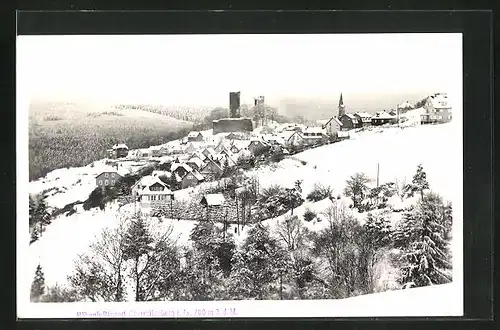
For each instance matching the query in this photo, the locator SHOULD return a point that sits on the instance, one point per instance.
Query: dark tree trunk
(136, 273)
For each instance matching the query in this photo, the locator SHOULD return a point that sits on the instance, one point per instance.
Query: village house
(221, 146)
(194, 136)
(154, 151)
(404, 107)
(150, 192)
(293, 128)
(209, 200)
(195, 163)
(313, 135)
(226, 158)
(437, 109)
(211, 170)
(190, 148)
(214, 206)
(382, 118)
(331, 126)
(257, 147)
(191, 179)
(237, 136)
(364, 119)
(197, 154)
(349, 121)
(107, 179)
(118, 151)
(234, 149)
(295, 140)
(243, 154)
(181, 169)
(209, 153)
(159, 174)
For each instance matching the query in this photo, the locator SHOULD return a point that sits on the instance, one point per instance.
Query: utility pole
(378, 171)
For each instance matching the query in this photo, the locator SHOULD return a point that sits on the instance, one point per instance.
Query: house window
(100, 182)
(112, 175)
(106, 182)
(112, 181)
(105, 175)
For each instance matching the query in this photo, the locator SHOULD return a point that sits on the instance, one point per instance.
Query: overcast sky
(202, 69)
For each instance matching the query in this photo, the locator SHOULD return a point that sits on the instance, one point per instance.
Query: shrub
(319, 192)
(95, 200)
(309, 215)
(59, 294)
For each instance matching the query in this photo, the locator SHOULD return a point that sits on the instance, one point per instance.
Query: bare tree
(337, 244)
(291, 232)
(356, 188)
(99, 274)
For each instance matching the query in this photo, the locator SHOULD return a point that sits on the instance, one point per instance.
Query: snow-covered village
(248, 202)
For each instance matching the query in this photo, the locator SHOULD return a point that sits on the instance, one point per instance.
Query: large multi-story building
(437, 109)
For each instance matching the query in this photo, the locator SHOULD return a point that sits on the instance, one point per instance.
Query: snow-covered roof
(351, 116)
(440, 101)
(363, 114)
(325, 122)
(214, 199)
(209, 150)
(175, 166)
(383, 115)
(197, 175)
(193, 134)
(313, 137)
(313, 130)
(196, 160)
(197, 154)
(120, 146)
(148, 181)
(161, 173)
(165, 191)
(405, 105)
(111, 171)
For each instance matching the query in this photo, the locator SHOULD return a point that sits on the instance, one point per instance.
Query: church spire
(341, 106)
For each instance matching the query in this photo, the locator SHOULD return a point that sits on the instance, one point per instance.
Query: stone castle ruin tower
(234, 104)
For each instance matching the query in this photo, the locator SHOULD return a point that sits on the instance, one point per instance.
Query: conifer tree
(258, 266)
(38, 285)
(34, 235)
(41, 214)
(137, 243)
(424, 237)
(419, 181)
(32, 208)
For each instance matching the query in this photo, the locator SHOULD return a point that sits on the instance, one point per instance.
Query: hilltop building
(437, 109)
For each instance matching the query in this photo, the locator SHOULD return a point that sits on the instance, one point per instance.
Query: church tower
(341, 106)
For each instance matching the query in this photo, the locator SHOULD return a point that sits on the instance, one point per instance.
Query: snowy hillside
(397, 151)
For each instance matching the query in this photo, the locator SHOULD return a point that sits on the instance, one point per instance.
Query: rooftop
(214, 199)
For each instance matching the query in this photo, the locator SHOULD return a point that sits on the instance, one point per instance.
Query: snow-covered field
(76, 183)
(418, 302)
(397, 151)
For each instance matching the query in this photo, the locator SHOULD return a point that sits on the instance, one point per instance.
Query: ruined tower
(234, 104)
